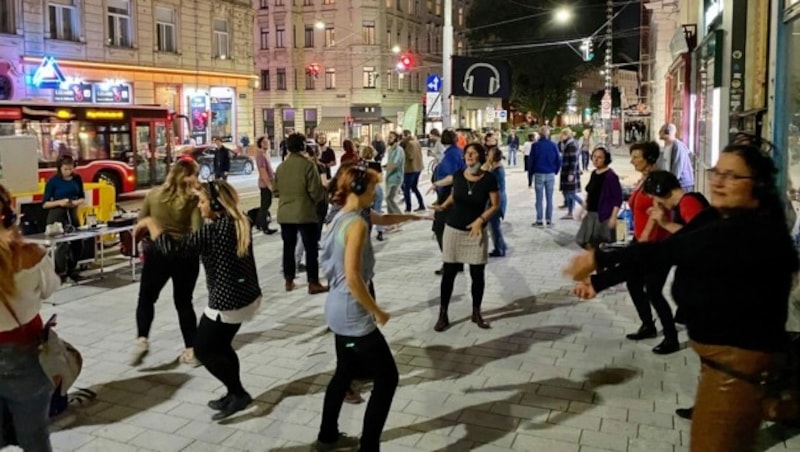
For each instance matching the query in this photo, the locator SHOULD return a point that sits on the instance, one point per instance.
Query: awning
(331, 124)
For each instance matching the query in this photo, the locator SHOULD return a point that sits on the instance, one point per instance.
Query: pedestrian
(513, 147)
(394, 171)
(224, 245)
(222, 159)
(603, 201)
(544, 163)
(173, 206)
(266, 177)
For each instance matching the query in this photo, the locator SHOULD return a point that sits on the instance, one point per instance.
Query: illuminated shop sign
(112, 93)
(48, 74)
(10, 113)
(75, 93)
(110, 115)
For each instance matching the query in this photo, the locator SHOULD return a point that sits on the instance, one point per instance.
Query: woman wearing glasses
(732, 284)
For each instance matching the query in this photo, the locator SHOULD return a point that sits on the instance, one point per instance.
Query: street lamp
(319, 25)
(396, 49)
(562, 15)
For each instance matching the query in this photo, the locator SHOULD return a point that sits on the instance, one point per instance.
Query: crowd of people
(732, 294)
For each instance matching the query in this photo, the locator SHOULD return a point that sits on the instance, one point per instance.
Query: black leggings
(156, 271)
(362, 357)
(214, 348)
(476, 273)
(647, 289)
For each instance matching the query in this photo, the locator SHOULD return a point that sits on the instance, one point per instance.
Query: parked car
(240, 163)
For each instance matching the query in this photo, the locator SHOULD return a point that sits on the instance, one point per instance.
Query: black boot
(477, 319)
(685, 413)
(646, 331)
(669, 345)
(443, 323)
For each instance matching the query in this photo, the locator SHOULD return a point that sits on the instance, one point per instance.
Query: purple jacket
(610, 196)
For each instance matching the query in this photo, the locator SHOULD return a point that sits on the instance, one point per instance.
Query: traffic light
(314, 69)
(588, 49)
(405, 62)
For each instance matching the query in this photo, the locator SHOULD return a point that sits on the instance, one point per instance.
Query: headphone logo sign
(469, 78)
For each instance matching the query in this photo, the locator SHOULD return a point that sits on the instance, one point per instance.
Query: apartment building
(331, 66)
(195, 57)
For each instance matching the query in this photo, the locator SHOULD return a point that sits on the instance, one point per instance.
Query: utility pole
(447, 64)
(608, 64)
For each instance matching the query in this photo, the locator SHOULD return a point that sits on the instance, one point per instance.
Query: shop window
(118, 16)
(264, 38)
(792, 102)
(281, 79)
(265, 80)
(368, 32)
(221, 39)
(221, 120)
(62, 20)
(166, 36)
(7, 22)
(330, 78)
(369, 76)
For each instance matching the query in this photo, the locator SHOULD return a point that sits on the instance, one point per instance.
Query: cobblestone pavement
(553, 374)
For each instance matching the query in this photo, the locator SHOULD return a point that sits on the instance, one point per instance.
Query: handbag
(60, 361)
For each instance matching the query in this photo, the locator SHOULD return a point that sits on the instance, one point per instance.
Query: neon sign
(48, 74)
(105, 114)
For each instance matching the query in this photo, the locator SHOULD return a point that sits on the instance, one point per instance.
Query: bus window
(120, 143)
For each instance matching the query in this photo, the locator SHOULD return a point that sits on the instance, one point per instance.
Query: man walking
(513, 147)
(545, 162)
(222, 160)
(677, 157)
(266, 176)
(299, 189)
(412, 170)
(394, 171)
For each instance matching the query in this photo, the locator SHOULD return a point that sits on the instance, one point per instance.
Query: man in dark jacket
(222, 160)
(544, 162)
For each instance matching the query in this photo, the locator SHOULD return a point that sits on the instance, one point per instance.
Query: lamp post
(447, 64)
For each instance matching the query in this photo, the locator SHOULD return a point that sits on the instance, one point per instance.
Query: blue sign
(48, 75)
(434, 83)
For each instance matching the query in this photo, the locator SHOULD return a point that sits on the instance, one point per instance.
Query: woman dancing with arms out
(733, 293)
(226, 251)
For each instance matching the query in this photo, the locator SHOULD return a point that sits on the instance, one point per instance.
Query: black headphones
(215, 203)
(360, 182)
(606, 153)
(8, 215)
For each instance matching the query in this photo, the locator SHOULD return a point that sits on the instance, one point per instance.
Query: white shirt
(235, 316)
(526, 148)
(34, 285)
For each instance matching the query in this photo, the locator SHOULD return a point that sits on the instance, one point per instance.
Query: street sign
(433, 105)
(605, 106)
(501, 115)
(434, 83)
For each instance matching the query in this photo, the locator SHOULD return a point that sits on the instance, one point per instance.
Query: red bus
(129, 146)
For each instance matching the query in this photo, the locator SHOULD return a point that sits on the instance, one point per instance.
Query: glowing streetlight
(562, 15)
(319, 25)
(396, 50)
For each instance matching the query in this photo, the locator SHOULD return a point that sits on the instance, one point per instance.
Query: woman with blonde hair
(27, 276)
(224, 244)
(174, 206)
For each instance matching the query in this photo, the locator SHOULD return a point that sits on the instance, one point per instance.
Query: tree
(543, 75)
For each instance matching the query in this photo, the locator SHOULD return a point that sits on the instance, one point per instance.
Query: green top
(299, 189)
(177, 216)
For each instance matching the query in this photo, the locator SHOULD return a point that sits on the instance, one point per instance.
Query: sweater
(299, 190)
(544, 157)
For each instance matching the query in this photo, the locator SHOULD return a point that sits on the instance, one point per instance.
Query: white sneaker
(188, 358)
(140, 350)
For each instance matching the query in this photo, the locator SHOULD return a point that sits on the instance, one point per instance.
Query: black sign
(738, 51)
(477, 77)
(76, 93)
(112, 94)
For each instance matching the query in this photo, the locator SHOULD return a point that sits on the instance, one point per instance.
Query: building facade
(193, 57)
(332, 66)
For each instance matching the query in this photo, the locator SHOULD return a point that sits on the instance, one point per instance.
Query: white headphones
(469, 79)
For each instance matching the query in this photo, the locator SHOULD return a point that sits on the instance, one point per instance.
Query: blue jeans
(512, 156)
(571, 199)
(498, 241)
(25, 392)
(410, 184)
(544, 184)
(377, 204)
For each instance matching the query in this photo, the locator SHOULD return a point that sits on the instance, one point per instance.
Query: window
(330, 78)
(369, 77)
(438, 7)
(389, 78)
(264, 38)
(280, 36)
(119, 23)
(265, 80)
(221, 40)
(368, 32)
(166, 38)
(264, 4)
(310, 81)
(278, 2)
(307, 3)
(309, 36)
(328, 2)
(388, 37)
(389, 4)
(460, 48)
(281, 81)
(7, 23)
(295, 79)
(330, 36)
(62, 19)
(460, 16)
(430, 6)
(398, 4)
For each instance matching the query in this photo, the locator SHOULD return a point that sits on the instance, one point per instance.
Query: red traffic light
(313, 69)
(405, 62)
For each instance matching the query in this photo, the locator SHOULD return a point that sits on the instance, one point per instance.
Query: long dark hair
(756, 152)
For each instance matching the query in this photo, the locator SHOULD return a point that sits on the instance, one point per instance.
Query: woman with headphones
(352, 314)
(732, 282)
(603, 201)
(224, 244)
(63, 195)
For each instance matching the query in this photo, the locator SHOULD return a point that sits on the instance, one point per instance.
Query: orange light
(105, 114)
(64, 114)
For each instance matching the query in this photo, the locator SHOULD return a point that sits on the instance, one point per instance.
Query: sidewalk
(553, 374)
